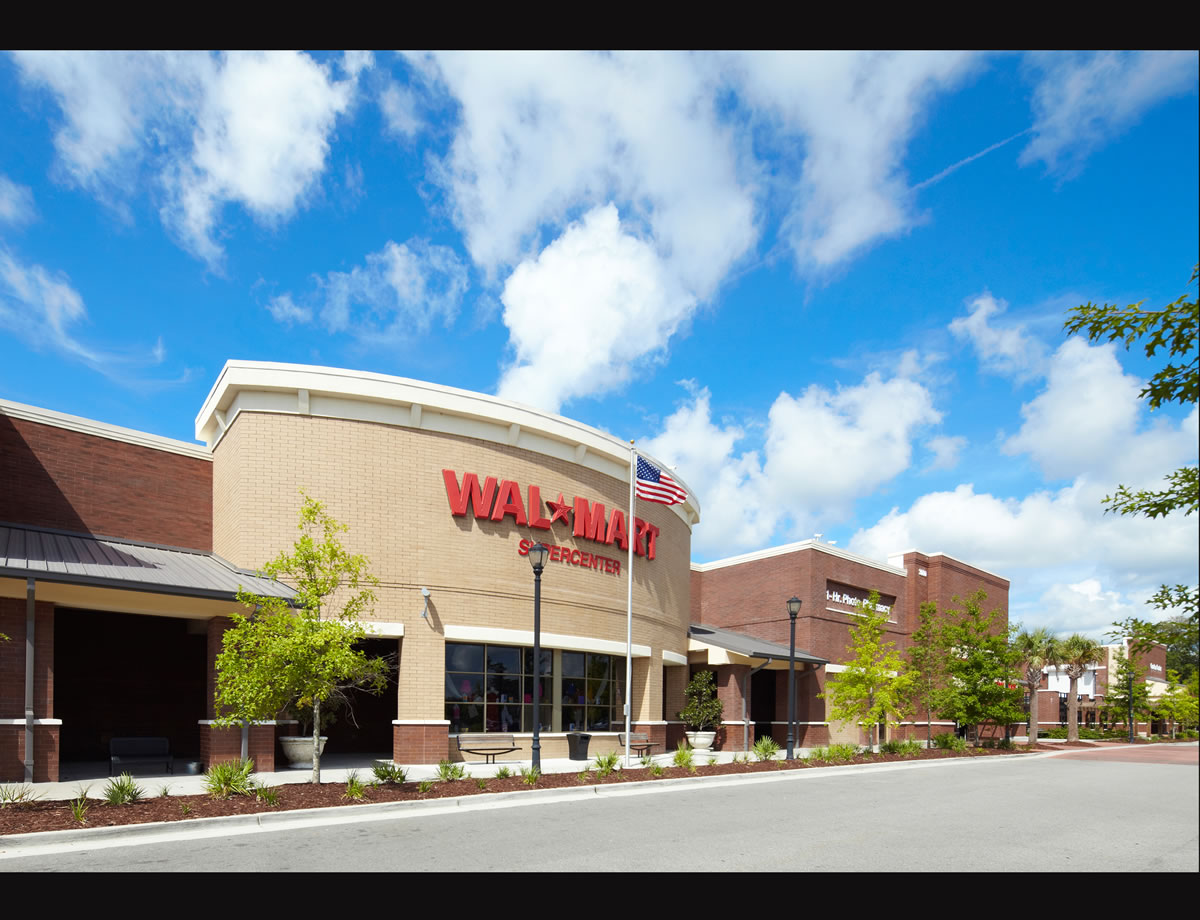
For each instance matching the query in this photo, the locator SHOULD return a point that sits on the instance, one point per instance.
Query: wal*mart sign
(495, 500)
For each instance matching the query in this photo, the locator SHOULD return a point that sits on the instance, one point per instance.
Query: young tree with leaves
(1037, 649)
(1176, 705)
(981, 665)
(874, 687)
(927, 666)
(1173, 329)
(1127, 689)
(278, 657)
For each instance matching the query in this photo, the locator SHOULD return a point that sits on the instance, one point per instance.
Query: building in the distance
(121, 553)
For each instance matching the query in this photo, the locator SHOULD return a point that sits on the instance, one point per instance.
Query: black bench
(638, 741)
(124, 753)
(488, 745)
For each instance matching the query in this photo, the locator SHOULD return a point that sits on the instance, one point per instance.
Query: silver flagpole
(631, 530)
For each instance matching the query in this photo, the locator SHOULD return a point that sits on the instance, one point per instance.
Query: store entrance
(119, 675)
(762, 702)
(365, 725)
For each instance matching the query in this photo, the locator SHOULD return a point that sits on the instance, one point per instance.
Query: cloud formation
(822, 451)
(16, 203)
(1082, 101)
(247, 128)
(395, 295)
(1007, 350)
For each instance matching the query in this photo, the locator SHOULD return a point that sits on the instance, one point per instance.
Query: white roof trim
(382, 628)
(793, 548)
(102, 429)
(265, 386)
(549, 640)
(673, 658)
(969, 565)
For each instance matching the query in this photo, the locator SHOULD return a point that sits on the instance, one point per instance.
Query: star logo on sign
(559, 510)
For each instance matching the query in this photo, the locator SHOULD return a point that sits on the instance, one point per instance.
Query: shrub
(185, 809)
(505, 773)
(424, 786)
(765, 748)
(1007, 744)
(122, 790)
(481, 784)
(79, 809)
(656, 769)
(835, 753)
(607, 764)
(268, 795)
(684, 758)
(531, 775)
(17, 795)
(949, 742)
(231, 777)
(164, 791)
(389, 772)
(450, 772)
(355, 787)
(582, 775)
(703, 710)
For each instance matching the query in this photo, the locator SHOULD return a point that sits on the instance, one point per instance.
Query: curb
(168, 831)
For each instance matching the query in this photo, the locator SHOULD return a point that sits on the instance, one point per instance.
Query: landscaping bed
(27, 817)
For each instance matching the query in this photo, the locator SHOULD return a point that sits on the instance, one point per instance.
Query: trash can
(577, 745)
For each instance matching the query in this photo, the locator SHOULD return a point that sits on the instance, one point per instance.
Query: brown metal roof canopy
(105, 562)
(749, 646)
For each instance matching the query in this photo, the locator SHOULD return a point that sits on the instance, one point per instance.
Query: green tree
(927, 666)
(981, 665)
(1074, 655)
(277, 657)
(1172, 329)
(1176, 705)
(1126, 686)
(703, 710)
(875, 684)
(1037, 650)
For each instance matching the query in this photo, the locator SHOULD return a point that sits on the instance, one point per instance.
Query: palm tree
(1037, 649)
(1075, 654)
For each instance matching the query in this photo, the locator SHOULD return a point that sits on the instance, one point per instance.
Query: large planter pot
(701, 742)
(298, 749)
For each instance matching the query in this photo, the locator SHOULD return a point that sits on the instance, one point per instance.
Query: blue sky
(829, 288)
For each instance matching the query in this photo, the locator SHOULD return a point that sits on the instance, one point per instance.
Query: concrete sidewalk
(334, 769)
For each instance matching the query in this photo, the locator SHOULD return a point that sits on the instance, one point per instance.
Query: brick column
(46, 728)
(222, 744)
(418, 741)
(729, 692)
(675, 679)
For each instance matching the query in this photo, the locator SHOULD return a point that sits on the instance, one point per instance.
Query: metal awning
(748, 646)
(104, 562)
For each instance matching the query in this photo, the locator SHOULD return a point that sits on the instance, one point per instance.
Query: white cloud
(1083, 101)
(593, 302)
(1086, 423)
(852, 115)
(398, 293)
(1083, 607)
(822, 451)
(285, 310)
(44, 310)
(399, 106)
(946, 451)
(16, 202)
(1005, 350)
(247, 128)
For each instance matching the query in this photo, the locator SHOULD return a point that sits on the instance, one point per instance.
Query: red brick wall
(45, 753)
(80, 482)
(221, 744)
(420, 743)
(12, 659)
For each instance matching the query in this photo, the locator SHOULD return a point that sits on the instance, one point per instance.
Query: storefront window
(490, 688)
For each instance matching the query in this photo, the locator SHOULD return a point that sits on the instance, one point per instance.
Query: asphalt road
(1127, 812)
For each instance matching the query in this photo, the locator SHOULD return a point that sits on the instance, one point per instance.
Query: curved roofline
(302, 389)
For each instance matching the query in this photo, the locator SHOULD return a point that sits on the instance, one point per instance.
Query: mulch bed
(57, 815)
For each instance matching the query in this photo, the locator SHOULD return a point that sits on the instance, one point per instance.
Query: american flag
(656, 486)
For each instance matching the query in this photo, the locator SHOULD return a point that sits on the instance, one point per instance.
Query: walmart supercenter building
(121, 553)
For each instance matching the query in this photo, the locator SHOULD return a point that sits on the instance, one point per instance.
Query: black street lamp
(793, 608)
(537, 558)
